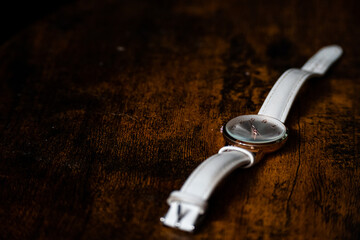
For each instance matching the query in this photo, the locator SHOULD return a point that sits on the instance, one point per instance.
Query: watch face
(255, 129)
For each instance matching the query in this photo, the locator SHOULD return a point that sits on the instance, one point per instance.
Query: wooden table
(107, 106)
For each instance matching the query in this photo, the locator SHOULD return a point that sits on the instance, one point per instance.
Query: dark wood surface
(108, 106)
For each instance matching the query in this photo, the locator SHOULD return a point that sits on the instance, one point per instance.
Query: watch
(249, 138)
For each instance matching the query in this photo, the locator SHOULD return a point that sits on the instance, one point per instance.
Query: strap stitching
(319, 62)
(273, 91)
(190, 180)
(222, 170)
(303, 78)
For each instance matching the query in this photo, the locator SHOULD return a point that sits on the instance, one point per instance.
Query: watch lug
(258, 156)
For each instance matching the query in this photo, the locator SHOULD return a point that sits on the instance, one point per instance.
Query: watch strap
(279, 101)
(281, 97)
(322, 60)
(188, 204)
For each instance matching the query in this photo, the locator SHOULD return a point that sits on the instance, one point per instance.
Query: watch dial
(255, 129)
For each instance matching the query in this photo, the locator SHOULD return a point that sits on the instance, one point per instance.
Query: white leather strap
(278, 103)
(209, 173)
(187, 204)
(323, 59)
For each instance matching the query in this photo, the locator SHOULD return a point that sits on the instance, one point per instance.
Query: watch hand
(254, 131)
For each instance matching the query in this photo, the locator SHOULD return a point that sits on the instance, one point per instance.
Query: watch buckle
(183, 216)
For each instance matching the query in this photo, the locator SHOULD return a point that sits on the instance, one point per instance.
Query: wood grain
(108, 106)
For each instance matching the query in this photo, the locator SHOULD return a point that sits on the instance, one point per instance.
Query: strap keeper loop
(178, 196)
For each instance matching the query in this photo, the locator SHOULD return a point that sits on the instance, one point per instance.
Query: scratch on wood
(288, 214)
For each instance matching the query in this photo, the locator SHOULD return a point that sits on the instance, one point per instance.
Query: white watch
(249, 137)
